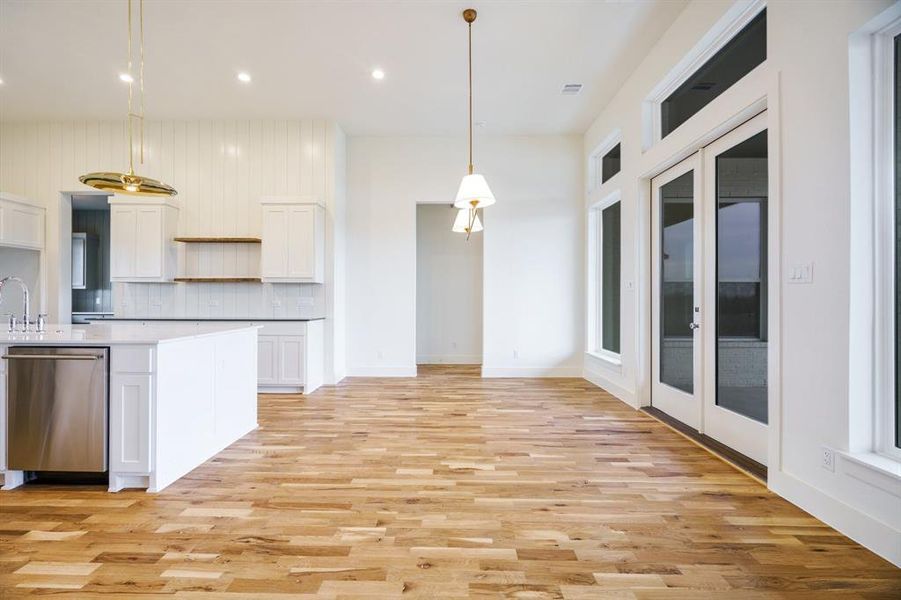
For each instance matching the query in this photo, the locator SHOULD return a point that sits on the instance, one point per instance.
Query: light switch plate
(801, 273)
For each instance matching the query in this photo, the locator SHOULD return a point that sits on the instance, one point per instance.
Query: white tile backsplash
(219, 300)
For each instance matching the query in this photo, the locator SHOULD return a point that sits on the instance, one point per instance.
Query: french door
(710, 267)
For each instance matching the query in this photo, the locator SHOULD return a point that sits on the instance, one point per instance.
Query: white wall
(25, 264)
(220, 168)
(811, 156)
(448, 289)
(816, 208)
(532, 245)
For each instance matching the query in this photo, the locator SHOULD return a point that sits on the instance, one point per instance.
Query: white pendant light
(474, 192)
(467, 221)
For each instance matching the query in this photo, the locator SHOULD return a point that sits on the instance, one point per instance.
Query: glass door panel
(675, 241)
(741, 241)
(677, 282)
(736, 267)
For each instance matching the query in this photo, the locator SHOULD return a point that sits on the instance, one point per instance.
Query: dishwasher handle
(53, 356)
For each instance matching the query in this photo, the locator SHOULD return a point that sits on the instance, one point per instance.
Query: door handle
(694, 326)
(52, 356)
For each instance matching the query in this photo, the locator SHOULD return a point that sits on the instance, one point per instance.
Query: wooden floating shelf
(219, 240)
(218, 279)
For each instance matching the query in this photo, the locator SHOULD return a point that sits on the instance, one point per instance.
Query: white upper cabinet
(142, 245)
(21, 222)
(293, 240)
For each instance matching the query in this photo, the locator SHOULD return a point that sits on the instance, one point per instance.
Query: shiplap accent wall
(220, 169)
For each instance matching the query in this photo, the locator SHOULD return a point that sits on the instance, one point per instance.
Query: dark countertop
(204, 319)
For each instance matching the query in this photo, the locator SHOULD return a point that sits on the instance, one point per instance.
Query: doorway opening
(448, 290)
(710, 294)
(92, 289)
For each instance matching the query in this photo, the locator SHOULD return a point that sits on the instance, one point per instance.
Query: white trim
(872, 252)
(876, 535)
(874, 469)
(594, 334)
(379, 371)
(614, 389)
(593, 171)
(499, 372)
(611, 358)
(730, 24)
(449, 359)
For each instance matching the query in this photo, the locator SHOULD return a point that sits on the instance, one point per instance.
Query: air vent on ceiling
(571, 89)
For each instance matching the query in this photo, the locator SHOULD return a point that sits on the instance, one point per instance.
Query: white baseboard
(449, 359)
(612, 388)
(493, 372)
(860, 527)
(381, 371)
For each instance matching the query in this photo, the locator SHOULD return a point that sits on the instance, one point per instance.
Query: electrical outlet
(516, 354)
(828, 459)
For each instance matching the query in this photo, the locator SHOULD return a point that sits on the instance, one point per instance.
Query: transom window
(610, 164)
(736, 59)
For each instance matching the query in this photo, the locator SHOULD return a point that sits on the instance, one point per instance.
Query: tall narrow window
(610, 278)
(733, 61)
(897, 211)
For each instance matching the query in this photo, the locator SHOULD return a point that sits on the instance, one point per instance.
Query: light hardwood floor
(445, 486)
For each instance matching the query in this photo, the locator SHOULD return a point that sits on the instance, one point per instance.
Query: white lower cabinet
(267, 350)
(2, 411)
(290, 356)
(130, 416)
(131, 396)
(290, 359)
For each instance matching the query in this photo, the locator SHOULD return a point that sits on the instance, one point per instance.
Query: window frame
(619, 147)
(595, 169)
(884, 231)
(595, 335)
(730, 25)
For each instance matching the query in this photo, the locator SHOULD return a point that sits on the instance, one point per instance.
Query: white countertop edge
(143, 335)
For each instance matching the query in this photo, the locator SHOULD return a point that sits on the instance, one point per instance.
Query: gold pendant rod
(142, 80)
(470, 97)
(131, 145)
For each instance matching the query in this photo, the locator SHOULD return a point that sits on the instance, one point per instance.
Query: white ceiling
(60, 59)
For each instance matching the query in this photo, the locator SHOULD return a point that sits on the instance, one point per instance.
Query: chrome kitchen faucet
(26, 318)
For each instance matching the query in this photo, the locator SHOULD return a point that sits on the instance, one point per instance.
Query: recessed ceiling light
(378, 74)
(126, 77)
(244, 77)
(1, 82)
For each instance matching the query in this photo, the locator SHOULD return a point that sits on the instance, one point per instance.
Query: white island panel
(206, 401)
(179, 393)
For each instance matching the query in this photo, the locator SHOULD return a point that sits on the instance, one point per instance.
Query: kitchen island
(178, 394)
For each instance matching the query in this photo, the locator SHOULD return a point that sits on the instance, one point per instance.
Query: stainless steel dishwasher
(57, 407)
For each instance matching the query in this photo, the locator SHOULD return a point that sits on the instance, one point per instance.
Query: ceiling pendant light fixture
(474, 192)
(130, 183)
(463, 224)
